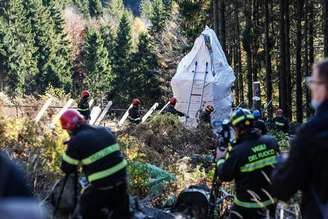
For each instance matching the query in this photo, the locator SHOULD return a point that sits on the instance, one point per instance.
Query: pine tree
(62, 45)
(167, 4)
(158, 17)
(146, 8)
(194, 17)
(144, 80)
(56, 16)
(96, 64)
(116, 9)
(17, 42)
(83, 5)
(51, 55)
(3, 7)
(95, 8)
(109, 43)
(121, 61)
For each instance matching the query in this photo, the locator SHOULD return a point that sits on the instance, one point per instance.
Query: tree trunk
(247, 39)
(288, 108)
(239, 61)
(325, 25)
(282, 65)
(234, 54)
(247, 46)
(306, 53)
(222, 25)
(310, 20)
(256, 35)
(299, 90)
(237, 74)
(215, 5)
(268, 67)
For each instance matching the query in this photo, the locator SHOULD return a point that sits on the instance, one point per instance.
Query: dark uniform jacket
(250, 163)
(260, 124)
(84, 108)
(205, 117)
(13, 183)
(306, 168)
(281, 124)
(134, 115)
(96, 150)
(171, 109)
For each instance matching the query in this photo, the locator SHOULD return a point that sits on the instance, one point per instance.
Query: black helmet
(242, 118)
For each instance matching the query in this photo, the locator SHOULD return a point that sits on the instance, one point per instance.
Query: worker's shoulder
(314, 126)
(240, 147)
(263, 139)
(5, 161)
(267, 138)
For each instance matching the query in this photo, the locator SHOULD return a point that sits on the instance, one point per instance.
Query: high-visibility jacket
(96, 150)
(281, 124)
(250, 163)
(205, 117)
(84, 108)
(134, 115)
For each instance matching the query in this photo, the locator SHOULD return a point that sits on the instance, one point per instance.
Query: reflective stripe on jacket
(96, 150)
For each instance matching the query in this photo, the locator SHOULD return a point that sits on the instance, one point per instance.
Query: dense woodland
(126, 49)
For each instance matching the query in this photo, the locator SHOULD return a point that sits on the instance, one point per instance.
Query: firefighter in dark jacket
(205, 116)
(306, 168)
(259, 123)
(171, 108)
(134, 113)
(83, 106)
(13, 182)
(250, 163)
(96, 150)
(280, 123)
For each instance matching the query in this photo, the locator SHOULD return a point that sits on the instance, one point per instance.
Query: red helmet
(173, 100)
(136, 102)
(71, 119)
(85, 93)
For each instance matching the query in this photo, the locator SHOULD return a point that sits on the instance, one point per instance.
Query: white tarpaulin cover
(218, 83)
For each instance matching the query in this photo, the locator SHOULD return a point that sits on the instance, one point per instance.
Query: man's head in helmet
(242, 120)
(279, 113)
(209, 108)
(257, 114)
(71, 120)
(173, 101)
(85, 94)
(136, 102)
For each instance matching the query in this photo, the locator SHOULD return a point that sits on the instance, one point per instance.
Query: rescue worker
(96, 150)
(171, 108)
(83, 106)
(134, 112)
(205, 116)
(259, 123)
(306, 168)
(13, 183)
(280, 123)
(250, 163)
